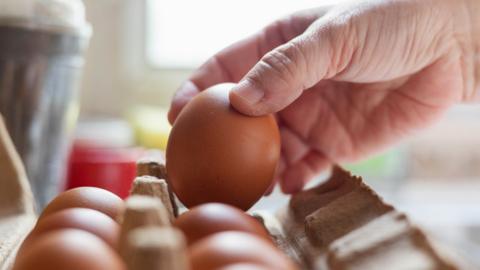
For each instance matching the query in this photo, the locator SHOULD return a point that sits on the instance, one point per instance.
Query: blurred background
(142, 50)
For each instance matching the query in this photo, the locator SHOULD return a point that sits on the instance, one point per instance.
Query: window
(184, 33)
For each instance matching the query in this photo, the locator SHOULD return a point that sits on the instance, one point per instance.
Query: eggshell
(84, 219)
(211, 218)
(68, 249)
(244, 266)
(86, 197)
(216, 154)
(227, 248)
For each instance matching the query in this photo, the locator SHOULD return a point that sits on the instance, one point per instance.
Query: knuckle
(284, 62)
(340, 41)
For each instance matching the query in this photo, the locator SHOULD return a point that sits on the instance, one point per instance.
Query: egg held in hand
(216, 154)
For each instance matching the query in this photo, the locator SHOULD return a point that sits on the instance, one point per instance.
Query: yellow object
(151, 126)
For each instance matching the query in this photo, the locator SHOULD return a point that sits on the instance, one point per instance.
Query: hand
(347, 82)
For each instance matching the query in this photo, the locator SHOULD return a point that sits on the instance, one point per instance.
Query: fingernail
(248, 92)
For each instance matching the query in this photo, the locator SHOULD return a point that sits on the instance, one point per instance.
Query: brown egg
(244, 266)
(68, 249)
(211, 218)
(84, 219)
(216, 154)
(86, 197)
(227, 248)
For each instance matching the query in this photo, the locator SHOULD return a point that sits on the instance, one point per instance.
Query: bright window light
(184, 33)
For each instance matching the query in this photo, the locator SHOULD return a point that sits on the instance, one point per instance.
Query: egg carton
(17, 215)
(341, 224)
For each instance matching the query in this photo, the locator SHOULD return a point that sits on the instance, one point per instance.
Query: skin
(347, 81)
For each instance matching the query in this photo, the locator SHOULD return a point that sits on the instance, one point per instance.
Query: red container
(113, 169)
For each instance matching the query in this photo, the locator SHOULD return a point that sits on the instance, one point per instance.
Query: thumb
(282, 74)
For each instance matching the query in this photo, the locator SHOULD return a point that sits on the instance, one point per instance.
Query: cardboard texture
(17, 215)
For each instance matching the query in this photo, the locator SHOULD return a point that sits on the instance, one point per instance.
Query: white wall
(116, 75)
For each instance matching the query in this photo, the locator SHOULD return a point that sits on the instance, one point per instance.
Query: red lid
(110, 168)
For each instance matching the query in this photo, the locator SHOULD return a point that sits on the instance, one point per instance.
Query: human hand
(347, 82)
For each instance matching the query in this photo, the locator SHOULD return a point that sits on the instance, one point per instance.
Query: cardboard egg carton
(341, 224)
(17, 215)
